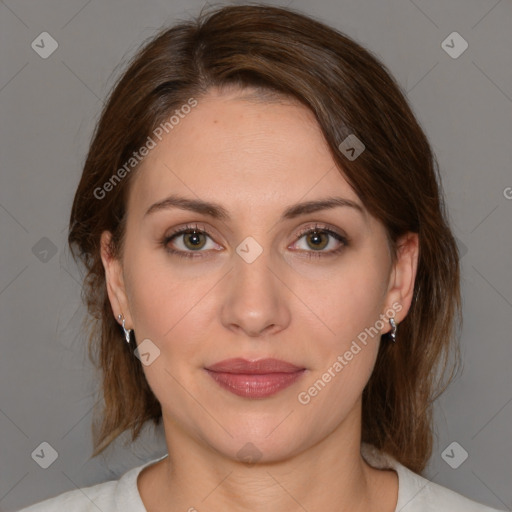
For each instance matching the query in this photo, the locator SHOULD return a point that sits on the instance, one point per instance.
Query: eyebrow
(217, 211)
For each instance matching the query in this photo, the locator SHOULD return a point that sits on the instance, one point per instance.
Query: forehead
(243, 152)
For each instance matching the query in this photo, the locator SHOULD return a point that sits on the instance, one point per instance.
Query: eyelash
(189, 229)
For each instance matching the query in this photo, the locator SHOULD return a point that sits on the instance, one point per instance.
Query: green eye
(190, 241)
(318, 238)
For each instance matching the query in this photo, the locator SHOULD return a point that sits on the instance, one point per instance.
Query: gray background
(49, 107)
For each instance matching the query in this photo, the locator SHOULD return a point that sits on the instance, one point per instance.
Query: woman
(270, 271)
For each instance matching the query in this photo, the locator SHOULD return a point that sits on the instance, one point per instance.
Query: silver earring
(126, 331)
(392, 333)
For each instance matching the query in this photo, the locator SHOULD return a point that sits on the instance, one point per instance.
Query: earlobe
(114, 279)
(403, 276)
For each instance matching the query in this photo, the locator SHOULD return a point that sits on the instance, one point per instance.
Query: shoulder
(113, 496)
(416, 493)
(100, 496)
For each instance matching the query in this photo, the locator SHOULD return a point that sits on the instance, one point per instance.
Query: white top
(415, 493)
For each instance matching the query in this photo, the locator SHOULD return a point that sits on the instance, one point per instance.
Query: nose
(256, 301)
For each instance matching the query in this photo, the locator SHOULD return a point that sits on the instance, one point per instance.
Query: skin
(256, 158)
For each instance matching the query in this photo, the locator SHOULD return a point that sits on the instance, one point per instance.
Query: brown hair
(396, 177)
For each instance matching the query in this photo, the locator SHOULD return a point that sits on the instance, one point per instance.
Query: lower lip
(255, 386)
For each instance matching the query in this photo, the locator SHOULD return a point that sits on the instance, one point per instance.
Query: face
(258, 279)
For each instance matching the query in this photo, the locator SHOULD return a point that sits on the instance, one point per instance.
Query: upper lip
(259, 367)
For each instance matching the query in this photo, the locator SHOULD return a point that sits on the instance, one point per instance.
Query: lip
(254, 379)
(259, 367)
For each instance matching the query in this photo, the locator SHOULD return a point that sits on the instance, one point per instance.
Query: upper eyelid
(322, 227)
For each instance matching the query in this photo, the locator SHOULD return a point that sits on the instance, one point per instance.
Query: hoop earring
(127, 332)
(392, 333)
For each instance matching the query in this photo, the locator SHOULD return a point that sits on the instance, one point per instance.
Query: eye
(190, 241)
(318, 238)
(185, 241)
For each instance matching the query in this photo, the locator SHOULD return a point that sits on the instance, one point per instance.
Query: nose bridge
(254, 300)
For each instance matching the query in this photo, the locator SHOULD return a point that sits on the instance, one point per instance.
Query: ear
(402, 278)
(114, 280)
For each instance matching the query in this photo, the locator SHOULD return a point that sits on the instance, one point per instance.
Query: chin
(257, 441)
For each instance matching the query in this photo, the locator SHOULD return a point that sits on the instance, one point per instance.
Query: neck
(329, 476)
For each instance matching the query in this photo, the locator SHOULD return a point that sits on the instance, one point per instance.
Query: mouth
(254, 379)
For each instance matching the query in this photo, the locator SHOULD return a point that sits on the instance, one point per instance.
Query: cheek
(344, 356)
(167, 302)
(350, 301)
